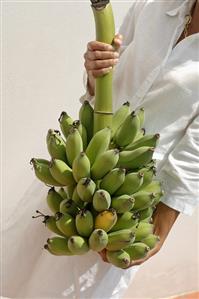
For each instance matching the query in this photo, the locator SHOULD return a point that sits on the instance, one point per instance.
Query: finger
(101, 72)
(117, 42)
(100, 64)
(95, 55)
(95, 45)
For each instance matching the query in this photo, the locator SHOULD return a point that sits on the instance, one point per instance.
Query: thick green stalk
(105, 32)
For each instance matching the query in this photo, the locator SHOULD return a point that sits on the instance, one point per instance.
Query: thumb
(117, 42)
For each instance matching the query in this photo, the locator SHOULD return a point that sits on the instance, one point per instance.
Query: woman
(157, 67)
(152, 72)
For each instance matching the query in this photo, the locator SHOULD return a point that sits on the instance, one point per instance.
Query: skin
(99, 59)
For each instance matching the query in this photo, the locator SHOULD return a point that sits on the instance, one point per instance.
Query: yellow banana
(104, 163)
(42, 172)
(74, 145)
(61, 172)
(106, 220)
(66, 224)
(81, 167)
(133, 181)
(86, 114)
(98, 144)
(113, 180)
(136, 158)
(120, 258)
(98, 240)
(84, 223)
(53, 200)
(65, 122)
(101, 200)
(78, 245)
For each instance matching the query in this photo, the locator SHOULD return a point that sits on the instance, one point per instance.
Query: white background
(43, 46)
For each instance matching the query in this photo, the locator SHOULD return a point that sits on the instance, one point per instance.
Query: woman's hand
(163, 219)
(100, 59)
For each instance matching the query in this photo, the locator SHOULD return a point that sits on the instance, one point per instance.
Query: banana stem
(105, 32)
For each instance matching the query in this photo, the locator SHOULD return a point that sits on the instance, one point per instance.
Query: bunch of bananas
(103, 191)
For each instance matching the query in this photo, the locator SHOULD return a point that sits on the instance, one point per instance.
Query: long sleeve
(180, 174)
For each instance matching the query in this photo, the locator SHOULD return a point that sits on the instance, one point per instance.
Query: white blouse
(155, 73)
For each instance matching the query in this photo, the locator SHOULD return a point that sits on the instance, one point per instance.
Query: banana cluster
(103, 192)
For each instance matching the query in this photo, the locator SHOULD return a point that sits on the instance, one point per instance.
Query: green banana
(85, 189)
(98, 240)
(120, 239)
(113, 180)
(53, 200)
(143, 200)
(63, 193)
(61, 172)
(145, 215)
(101, 200)
(81, 167)
(137, 251)
(68, 206)
(119, 117)
(120, 258)
(139, 134)
(104, 163)
(42, 172)
(56, 145)
(132, 183)
(84, 223)
(58, 246)
(78, 245)
(65, 122)
(82, 130)
(125, 221)
(74, 145)
(149, 173)
(141, 116)
(49, 222)
(157, 198)
(143, 230)
(86, 115)
(147, 140)
(70, 189)
(98, 144)
(156, 188)
(122, 203)
(106, 220)
(66, 224)
(77, 199)
(136, 158)
(128, 130)
(151, 240)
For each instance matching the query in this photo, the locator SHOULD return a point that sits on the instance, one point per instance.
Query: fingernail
(116, 61)
(116, 54)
